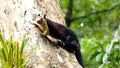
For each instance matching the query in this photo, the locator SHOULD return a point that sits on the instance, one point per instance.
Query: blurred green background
(95, 22)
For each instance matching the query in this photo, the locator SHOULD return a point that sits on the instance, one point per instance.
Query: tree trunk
(15, 17)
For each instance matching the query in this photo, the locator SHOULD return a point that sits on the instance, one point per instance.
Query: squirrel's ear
(38, 14)
(45, 16)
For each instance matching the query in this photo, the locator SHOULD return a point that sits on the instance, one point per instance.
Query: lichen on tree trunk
(15, 17)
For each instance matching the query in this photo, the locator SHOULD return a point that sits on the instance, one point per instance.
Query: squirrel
(63, 33)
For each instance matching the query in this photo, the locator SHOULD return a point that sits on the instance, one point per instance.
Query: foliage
(95, 22)
(112, 57)
(11, 53)
(101, 54)
(94, 16)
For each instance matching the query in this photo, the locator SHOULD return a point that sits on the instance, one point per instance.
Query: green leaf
(25, 42)
(94, 55)
(4, 47)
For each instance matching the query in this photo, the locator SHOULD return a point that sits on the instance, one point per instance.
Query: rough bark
(15, 17)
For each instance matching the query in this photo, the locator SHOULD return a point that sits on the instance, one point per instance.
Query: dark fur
(68, 37)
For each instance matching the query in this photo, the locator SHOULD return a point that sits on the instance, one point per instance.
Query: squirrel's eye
(38, 14)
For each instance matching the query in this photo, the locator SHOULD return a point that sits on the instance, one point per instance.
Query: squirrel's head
(41, 19)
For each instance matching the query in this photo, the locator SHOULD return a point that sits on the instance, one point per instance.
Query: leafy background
(95, 22)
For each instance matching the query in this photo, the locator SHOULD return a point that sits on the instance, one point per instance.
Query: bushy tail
(79, 58)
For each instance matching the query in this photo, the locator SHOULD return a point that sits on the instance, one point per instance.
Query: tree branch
(97, 12)
(68, 14)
